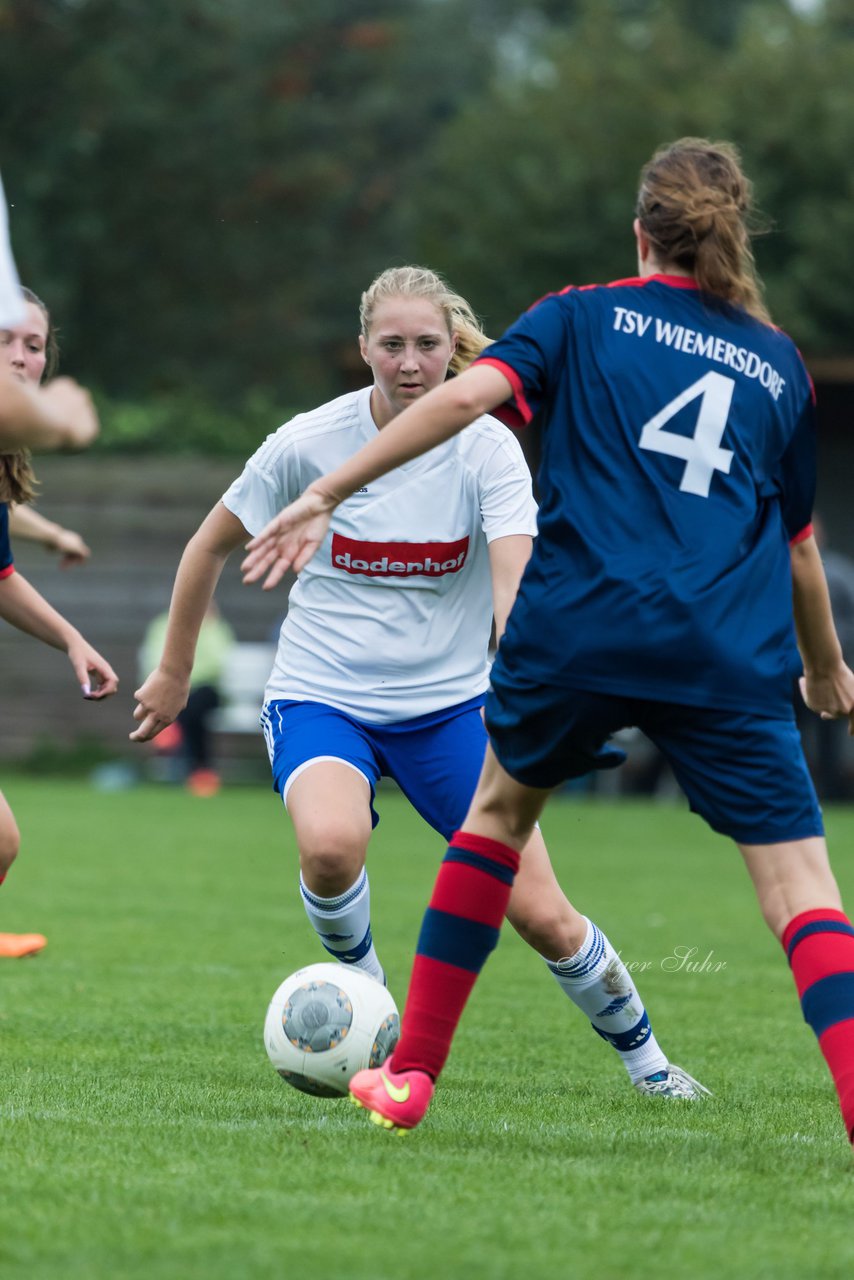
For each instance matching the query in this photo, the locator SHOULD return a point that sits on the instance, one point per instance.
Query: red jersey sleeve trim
(524, 409)
(676, 282)
(803, 362)
(5, 573)
(802, 536)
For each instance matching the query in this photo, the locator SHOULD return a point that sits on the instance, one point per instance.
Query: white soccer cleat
(673, 1082)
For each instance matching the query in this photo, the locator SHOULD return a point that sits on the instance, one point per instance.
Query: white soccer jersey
(391, 618)
(11, 299)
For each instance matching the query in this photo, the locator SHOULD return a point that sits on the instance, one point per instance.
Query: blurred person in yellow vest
(190, 737)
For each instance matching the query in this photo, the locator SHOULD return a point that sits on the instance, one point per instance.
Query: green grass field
(145, 1134)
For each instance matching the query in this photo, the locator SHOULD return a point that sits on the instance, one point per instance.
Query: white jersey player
(382, 663)
(404, 571)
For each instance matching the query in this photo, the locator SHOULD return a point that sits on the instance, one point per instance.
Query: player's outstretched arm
(23, 607)
(58, 416)
(827, 684)
(164, 694)
(292, 537)
(508, 557)
(26, 523)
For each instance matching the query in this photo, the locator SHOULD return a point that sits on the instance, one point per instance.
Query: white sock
(343, 924)
(597, 981)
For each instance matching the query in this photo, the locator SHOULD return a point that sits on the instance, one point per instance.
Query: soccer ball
(326, 1022)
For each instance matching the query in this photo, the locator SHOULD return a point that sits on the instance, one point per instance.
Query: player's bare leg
(539, 910)
(790, 878)
(329, 805)
(503, 809)
(460, 929)
(801, 904)
(13, 945)
(10, 837)
(591, 973)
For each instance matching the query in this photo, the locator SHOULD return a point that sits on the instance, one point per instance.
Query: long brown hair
(17, 478)
(421, 282)
(696, 207)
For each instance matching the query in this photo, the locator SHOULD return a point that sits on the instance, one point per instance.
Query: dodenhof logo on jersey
(398, 559)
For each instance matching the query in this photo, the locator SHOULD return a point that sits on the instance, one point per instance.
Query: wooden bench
(239, 747)
(246, 671)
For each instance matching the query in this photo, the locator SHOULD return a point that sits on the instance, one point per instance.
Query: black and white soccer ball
(326, 1022)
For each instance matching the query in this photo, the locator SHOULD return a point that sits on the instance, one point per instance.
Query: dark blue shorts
(434, 759)
(745, 774)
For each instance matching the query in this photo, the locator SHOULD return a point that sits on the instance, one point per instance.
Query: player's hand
(96, 677)
(831, 696)
(71, 547)
(72, 405)
(159, 702)
(290, 539)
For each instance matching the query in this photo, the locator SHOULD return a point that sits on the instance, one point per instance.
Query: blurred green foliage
(48, 758)
(202, 190)
(189, 422)
(555, 202)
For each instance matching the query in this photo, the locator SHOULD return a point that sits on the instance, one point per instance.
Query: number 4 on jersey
(702, 452)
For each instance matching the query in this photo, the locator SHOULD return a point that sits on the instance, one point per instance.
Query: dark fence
(136, 514)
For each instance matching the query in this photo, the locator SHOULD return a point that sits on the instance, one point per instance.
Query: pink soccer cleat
(393, 1099)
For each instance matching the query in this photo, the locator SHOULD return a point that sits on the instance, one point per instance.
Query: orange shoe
(15, 945)
(168, 740)
(203, 782)
(393, 1099)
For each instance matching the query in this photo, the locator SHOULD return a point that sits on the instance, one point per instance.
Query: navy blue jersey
(678, 463)
(6, 566)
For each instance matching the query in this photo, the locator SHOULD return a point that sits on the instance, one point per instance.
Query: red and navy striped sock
(820, 947)
(459, 930)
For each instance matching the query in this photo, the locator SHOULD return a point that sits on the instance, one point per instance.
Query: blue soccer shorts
(743, 773)
(435, 759)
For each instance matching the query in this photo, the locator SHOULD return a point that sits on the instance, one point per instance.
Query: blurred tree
(202, 190)
(790, 97)
(533, 185)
